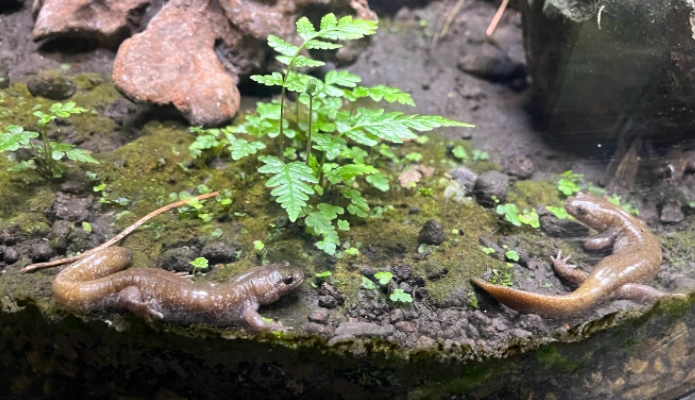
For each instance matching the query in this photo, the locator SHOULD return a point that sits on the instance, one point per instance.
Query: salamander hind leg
(568, 271)
(131, 298)
(642, 293)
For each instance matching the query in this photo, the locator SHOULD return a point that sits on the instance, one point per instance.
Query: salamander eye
(288, 280)
(581, 210)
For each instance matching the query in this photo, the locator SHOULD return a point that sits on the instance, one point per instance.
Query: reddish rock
(192, 52)
(106, 20)
(173, 62)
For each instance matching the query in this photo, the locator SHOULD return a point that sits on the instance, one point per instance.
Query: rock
(425, 342)
(54, 86)
(328, 302)
(177, 259)
(405, 326)
(11, 255)
(108, 21)
(190, 54)
(397, 315)
(368, 271)
(561, 228)
(491, 184)
(491, 64)
(40, 251)
(432, 232)
(58, 237)
(414, 210)
(319, 315)
(402, 272)
(465, 177)
(318, 329)
(180, 42)
(363, 329)
(519, 167)
(220, 252)
(671, 213)
(70, 208)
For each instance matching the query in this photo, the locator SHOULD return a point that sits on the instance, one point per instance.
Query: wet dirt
(46, 220)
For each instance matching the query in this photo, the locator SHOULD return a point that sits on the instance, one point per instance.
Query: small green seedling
(324, 275)
(399, 295)
(569, 183)
(472, 300)
(512, 255)
(368, 284)
(45, 158)
(511, 214)
(258, 245)
(460, 153)
(487, 250)
(618, 201)
(352, 251)
(383, 277)
(558, 212)
(198, 264)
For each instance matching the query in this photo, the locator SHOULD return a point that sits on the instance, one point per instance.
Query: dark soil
(43, 221)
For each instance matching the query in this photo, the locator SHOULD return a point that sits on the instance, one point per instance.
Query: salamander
(636, 256)
(96, 282)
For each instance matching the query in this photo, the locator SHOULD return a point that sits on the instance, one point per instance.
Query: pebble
(54, 86)
(432, 232)
(177, 259)
(10, 256)
(70, 208)
(465, 177)
(397, 315)
(519, 167)
(491, 184)
(671, 213)
(319, 315)
(220, 252)
(41, 251)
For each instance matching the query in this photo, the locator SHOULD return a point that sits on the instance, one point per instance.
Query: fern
(290, 183)
(331, 138)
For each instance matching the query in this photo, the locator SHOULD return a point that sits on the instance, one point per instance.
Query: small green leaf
(379, 181)
(342, 78)
(81, 156)
(240, 148)
(324, 274)
(282, 46)
(558, 212)
(384, 277)
(305, 28)
(367, 283)
(290, 183)
(86, 226)
(460, 153)
(512, 255)
(274, 79)
(352, 251)
(258, 245)
(199, 263)
(343, 225)
(488, 250)
(399, 295)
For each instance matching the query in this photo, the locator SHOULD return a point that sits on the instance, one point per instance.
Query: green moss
(555, 361)
(529, 194)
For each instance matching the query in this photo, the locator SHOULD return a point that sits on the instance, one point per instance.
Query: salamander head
(274, 281)
(597, 213)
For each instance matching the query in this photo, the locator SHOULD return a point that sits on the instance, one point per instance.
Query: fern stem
(308, 134)
(46, 156)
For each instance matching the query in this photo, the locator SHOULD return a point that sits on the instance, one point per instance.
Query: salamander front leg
(255, 321)
(567, 271)
(599, 242)
(131, 298)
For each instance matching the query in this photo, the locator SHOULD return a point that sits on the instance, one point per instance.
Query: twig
(496, 19)
(118, 237)
(449, 19)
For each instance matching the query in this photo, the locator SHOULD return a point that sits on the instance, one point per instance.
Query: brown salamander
(96, 282)
(636, 256)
